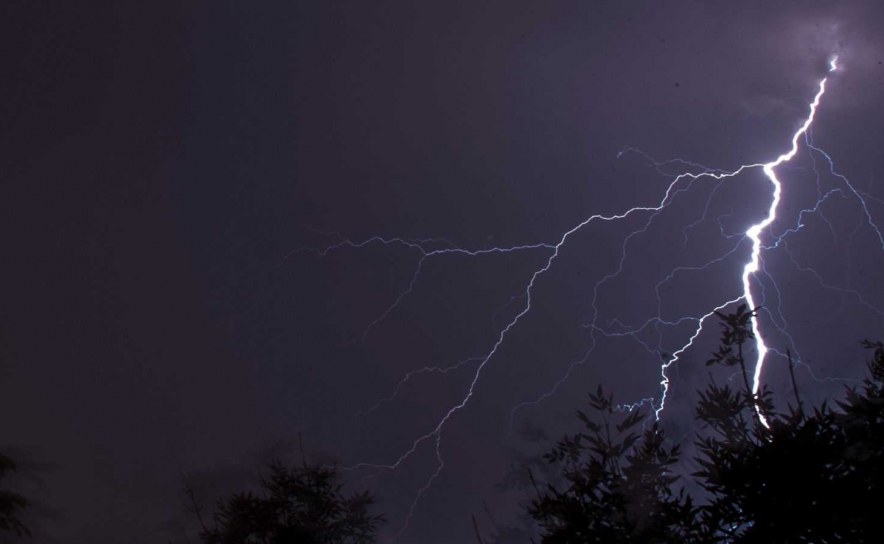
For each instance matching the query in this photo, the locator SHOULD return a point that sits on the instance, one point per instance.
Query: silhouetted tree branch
(11, 504)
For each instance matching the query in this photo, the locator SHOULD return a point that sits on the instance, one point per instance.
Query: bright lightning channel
(428, 248)
(755, 230)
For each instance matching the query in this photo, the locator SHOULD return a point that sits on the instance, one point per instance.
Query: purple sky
(166, 171)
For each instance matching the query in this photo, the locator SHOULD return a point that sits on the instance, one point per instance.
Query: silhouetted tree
(619, 486)
(11, 504)
(791, 477)
(300, 505)
(769, 477)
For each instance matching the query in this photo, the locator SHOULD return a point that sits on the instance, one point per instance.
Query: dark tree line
(801, 475)
(810, 475)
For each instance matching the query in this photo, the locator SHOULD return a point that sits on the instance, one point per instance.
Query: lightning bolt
(751, 270)
(755, 230)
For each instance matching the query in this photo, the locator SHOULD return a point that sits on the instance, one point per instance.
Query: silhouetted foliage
(300, 505)
(797, 478)
(11, 504)
(619, 484)
(736, 329)
(769, 477)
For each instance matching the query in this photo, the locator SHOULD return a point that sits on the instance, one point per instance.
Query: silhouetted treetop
(299, 505)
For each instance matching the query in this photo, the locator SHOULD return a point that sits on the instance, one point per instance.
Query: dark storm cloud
(161, 165)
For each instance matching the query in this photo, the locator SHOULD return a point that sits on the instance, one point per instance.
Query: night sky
(171, 177)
